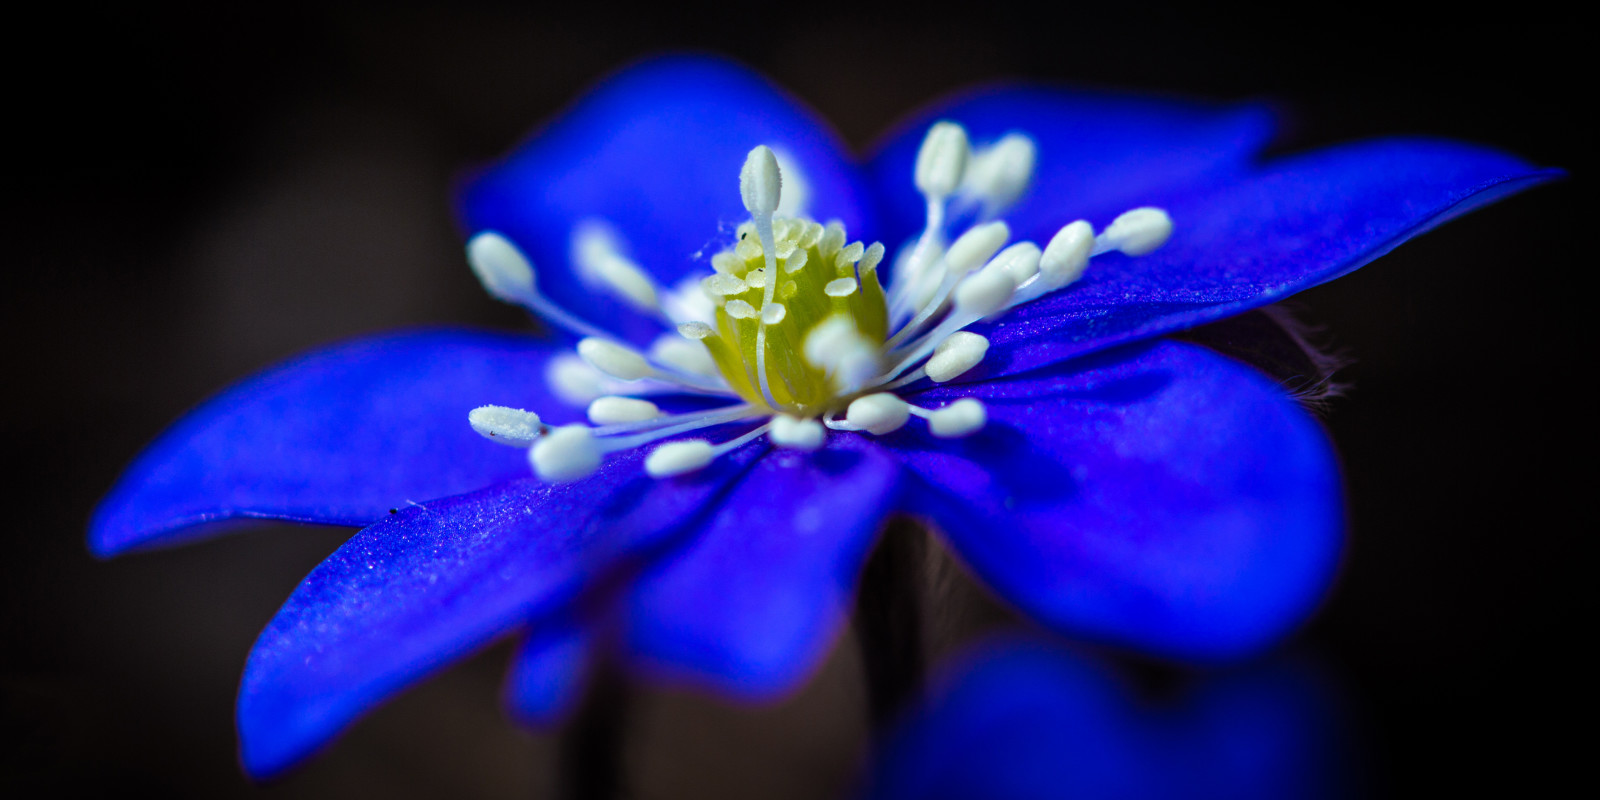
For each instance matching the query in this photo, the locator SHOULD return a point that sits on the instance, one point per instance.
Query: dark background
(199, 193)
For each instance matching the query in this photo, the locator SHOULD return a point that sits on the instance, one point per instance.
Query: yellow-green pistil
(819, 277)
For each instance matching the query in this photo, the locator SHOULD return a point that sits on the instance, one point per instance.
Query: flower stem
(889, 620)
(591, 749)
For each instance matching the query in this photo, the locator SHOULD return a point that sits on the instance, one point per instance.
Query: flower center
(794, 325)
(823, 290)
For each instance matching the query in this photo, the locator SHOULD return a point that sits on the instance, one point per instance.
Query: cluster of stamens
(794, 325)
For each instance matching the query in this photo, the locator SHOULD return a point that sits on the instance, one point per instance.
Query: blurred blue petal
(1160, 497)
(1100, 153)
(548, 675)
(1246, 243)
(752, 604)
(435, 581)
(1023, 719)
(338, 436)
(656, 151)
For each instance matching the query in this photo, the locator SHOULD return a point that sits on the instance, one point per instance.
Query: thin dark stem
(592, 744)
(889, 622)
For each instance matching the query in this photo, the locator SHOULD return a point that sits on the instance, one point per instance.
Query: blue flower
(1111, 484)
(1017, 718)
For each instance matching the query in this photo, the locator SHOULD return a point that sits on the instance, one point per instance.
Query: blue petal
(435, 581)
(338, 436)
(547, 678)
(655, 150)
(1024, 720)
(1099, 153)
(751, 606)
(1160, 497)
(1254, 241)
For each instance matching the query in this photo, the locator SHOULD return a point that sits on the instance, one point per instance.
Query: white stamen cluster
(940, 287)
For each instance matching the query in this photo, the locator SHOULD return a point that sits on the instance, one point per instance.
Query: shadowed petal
(433, 582)
(338, 436)
(1099, 154)
(547, 677)
(1247, 243)
(1021, 720)
(1160, 497)
(656, 150)
(754, 601)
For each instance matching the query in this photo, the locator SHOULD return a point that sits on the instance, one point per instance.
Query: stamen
(795, 433)
(984, 293)
(508, 275)
(613, 359)
(574, 380)
(688, 455)
(964, 417)
(597, 252)
(613, 410)
(678, 423)
(565, 454)
(1020, 261)
(1137, 232)
(941, 161)
(502, 269)
(508, 426)
(997, 175)
(1067, 255)
(969, 251)
(953, 357)
(676, 458)
(878, 413)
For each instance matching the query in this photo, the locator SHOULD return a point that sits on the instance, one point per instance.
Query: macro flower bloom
(1018, 718)
(751, 383)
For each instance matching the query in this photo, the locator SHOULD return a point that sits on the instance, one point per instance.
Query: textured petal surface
(432, 582)
(752, 604)
(338, 436)
(1099, 154)
(1160, 497)
(1029, 721)
(656, 151)
(1246, 243)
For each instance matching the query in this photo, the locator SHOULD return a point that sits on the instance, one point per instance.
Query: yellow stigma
(820, 279)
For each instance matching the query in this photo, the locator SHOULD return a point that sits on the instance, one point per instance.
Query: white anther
(879, 413)
(842, 287)
(941, 160)
(694, 330)
(1000, 173)
(760, 182)
(959, 352)
(836, 347)
(1020, 261)
(773, 313)
(727, 261)
(502, 269)
(684, 353)
(722, 285)
(597, 252)
(677, 458)
(739, 309)
(509, 426)
(964, 417)
(795, 262)
(870, 258)
(613, 410)
(975, 247)
(688, 301)
(574, 380)
(756, 279)
(613, 359)
(1067, 254)
(984, 293)
(795, 433)
(565, 454)
(1138, 232)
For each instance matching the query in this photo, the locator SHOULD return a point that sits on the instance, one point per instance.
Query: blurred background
(198, 193)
